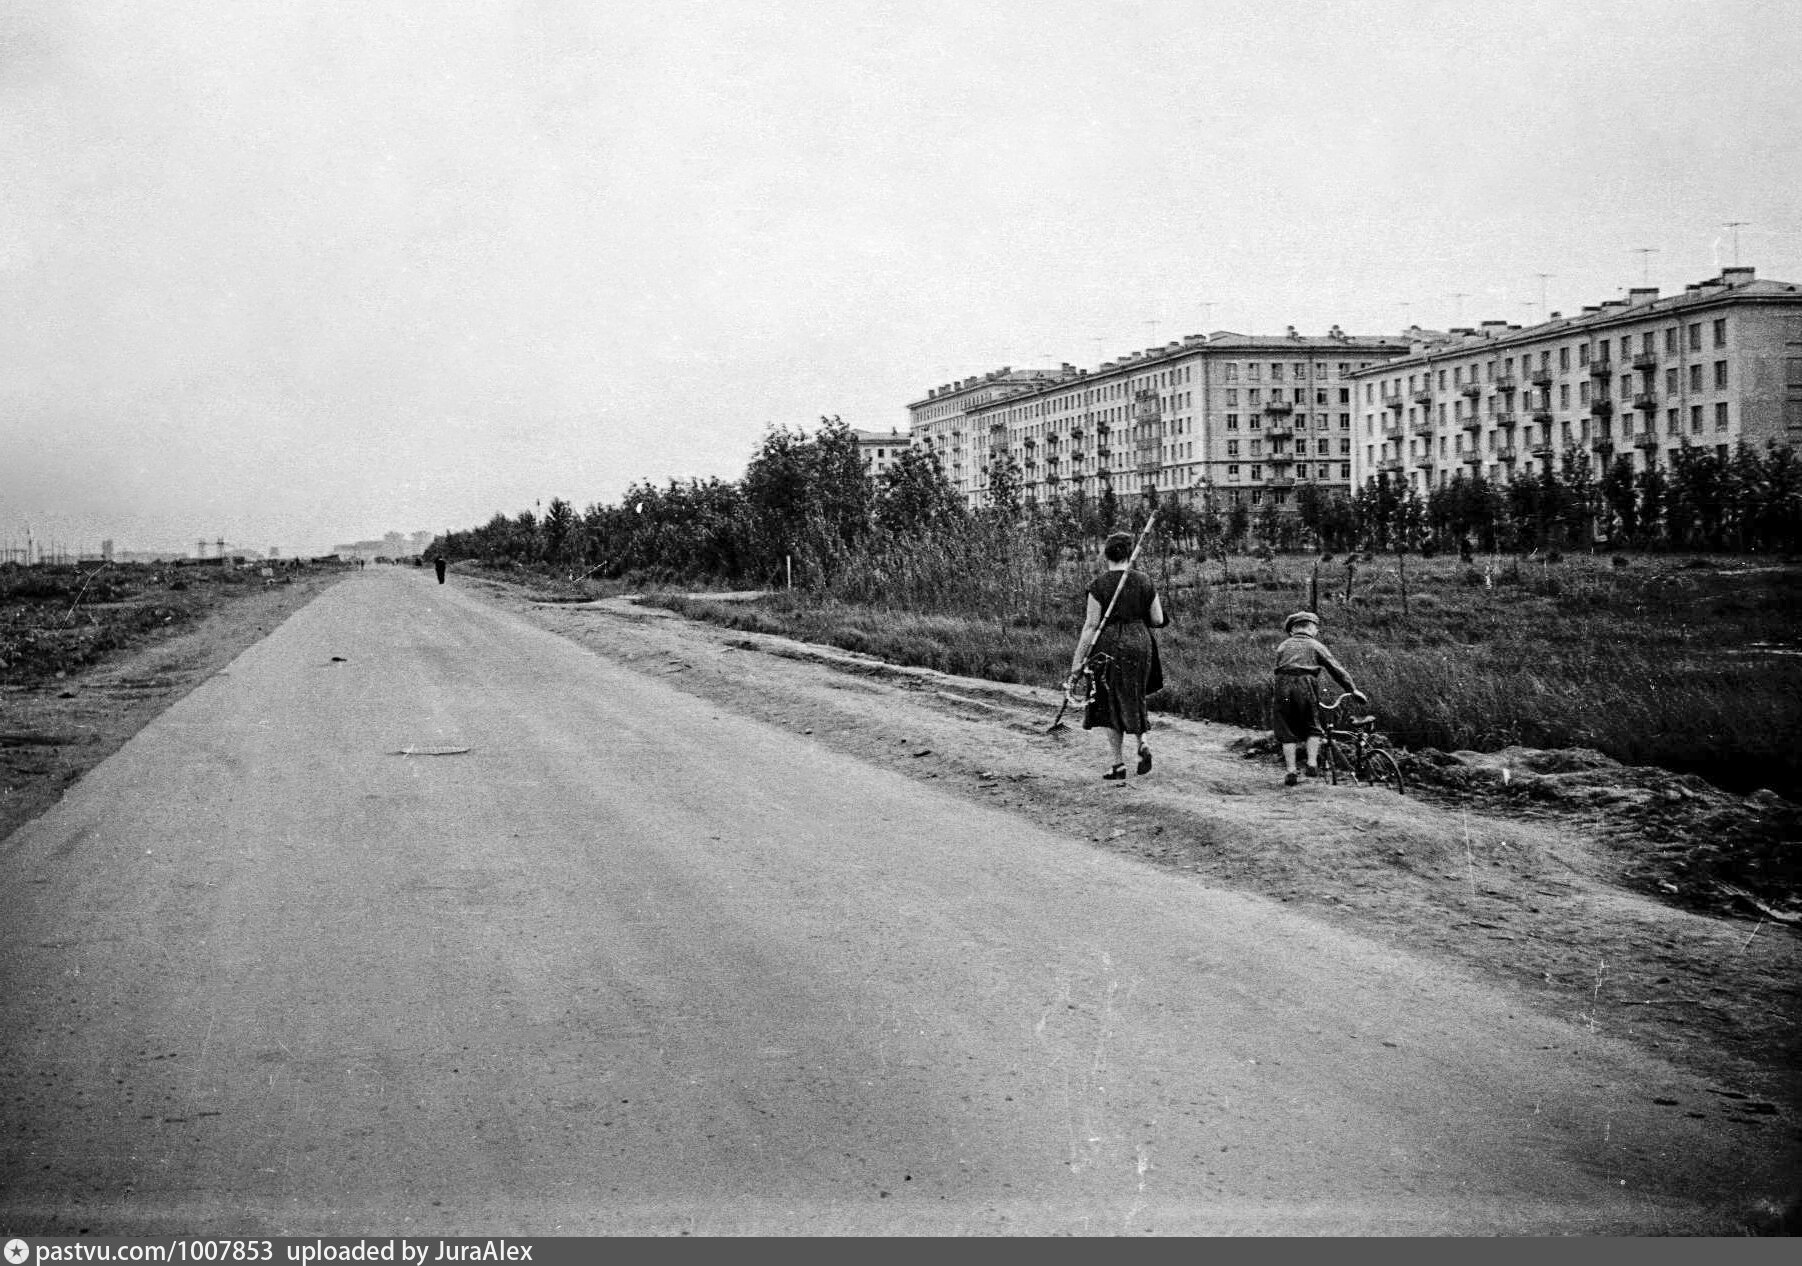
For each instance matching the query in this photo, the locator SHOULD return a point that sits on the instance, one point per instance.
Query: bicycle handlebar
(1350, 694)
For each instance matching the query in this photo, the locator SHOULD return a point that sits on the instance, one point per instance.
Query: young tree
(1621, 495)
(1006, 489)
(914, 495)
(559, 526)
(1653, 488)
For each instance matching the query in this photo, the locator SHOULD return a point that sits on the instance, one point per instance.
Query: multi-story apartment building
(881, 449)
(1636, 378)
(939, 422)
(1234, 416)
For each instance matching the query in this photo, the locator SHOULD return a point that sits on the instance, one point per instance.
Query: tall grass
(1676, 662)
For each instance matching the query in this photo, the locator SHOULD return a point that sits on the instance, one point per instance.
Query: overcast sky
(297, 272)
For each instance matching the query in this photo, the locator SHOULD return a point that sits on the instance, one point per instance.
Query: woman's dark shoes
(1116, 774)
(1144, 759)
(1289, 780)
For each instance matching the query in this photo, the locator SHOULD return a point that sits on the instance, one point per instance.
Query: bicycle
(1366, 762)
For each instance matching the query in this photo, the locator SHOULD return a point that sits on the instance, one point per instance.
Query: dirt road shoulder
(1528, 899)
(53, 731)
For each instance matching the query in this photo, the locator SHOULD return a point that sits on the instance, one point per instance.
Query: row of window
(1253, 396)
(1303, 470)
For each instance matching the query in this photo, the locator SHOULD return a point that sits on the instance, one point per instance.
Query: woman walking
(1118, 651)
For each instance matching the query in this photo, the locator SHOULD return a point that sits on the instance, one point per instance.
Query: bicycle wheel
(1330, 760)
(1383, 770)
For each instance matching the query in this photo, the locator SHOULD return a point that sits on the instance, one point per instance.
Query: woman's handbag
(1154, 676)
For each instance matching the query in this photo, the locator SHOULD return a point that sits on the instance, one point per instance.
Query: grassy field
(58, 619)
(1689, 663)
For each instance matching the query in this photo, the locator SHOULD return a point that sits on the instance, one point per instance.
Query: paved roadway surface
(633, 964)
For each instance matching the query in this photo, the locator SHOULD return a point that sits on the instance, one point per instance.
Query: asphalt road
(635, 964)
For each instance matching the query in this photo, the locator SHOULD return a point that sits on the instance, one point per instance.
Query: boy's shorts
(1297, 708)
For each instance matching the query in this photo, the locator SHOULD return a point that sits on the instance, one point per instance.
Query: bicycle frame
(1357, 733)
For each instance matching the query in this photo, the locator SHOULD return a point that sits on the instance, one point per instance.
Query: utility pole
(1458, 297)
(1645, 254)
(1543, 278)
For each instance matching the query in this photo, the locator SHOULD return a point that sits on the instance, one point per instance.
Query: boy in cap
(1299, 661)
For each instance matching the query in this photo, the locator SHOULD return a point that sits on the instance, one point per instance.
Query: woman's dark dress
(1122, 654)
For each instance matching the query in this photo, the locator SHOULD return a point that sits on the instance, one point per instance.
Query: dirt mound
(1690, 842)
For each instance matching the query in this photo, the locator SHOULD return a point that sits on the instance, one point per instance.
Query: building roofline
(1702, 296)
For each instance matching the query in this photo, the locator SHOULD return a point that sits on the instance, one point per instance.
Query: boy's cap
(1300, 617)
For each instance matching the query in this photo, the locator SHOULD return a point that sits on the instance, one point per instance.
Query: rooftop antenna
(1645, 254)
(1405, 308)
(1736, 226)
(1207, 314)
(1458, 297)
(1543, 278)
(1154, 331)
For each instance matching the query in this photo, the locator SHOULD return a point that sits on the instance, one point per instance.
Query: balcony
(1471, 389)
(1103, 451)
(1645, 401)
(1279, 408)
(1423, 397)
(1602, 407)
(1423, 427)
(1394, 400)
(1646, 362)
(1030, 443)
(1392, 429)
(1471, 457)
(1283, 458)
(1600, 368)
(1076, 431)
(1542, 415)
(1545, 449)
(1280, 481)
(1506, 452)
(1646, 440)
(1540, 378)
(1390, 465)
(1426, 463)
(1505, 420)
(1503, 382)
(1471, 422)
(1603, 446)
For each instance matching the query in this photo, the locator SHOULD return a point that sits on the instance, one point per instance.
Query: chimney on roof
(1292, 333)
(1737, 276)
(1641, 294)
(1556, 316)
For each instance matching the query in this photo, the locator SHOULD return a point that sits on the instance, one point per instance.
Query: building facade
(1634, 379)
(1227, 416)
(939, 422)
(881, 449)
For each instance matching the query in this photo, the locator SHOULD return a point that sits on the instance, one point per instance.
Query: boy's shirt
(1300, 653)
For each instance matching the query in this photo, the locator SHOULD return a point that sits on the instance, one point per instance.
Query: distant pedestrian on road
(438, 563)
(1299, 661)
(1119, 653)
